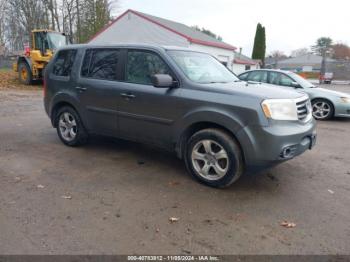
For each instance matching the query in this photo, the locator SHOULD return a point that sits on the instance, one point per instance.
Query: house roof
(244, 60)
(308, 59)
(191, 34)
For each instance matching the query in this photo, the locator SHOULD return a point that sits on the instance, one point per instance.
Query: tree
(80, 19)
(207, 32)
(95, 14)
(259, 48)
(323, 45)
(277, 54)
(341, 51)
(299, 52)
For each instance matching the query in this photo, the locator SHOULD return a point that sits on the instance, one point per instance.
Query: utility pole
(323, 63)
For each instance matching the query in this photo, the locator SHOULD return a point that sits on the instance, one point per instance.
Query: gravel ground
(116, 197)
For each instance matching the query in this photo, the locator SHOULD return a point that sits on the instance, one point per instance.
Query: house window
(247, 67)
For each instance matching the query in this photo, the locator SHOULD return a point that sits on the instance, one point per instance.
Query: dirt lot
(115, 197)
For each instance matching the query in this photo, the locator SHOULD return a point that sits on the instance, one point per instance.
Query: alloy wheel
(321, 110)
(210, 159)
(67, 126)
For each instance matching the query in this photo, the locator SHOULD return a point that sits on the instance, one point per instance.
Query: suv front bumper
(266, 146)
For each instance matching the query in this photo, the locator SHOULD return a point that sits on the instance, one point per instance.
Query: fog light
(288, 152)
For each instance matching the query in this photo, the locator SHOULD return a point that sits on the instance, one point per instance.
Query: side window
(286, 80)
(64, 63)
(263, 78)
(258, 76)
(243, 76)
(141, 65)
(274, 78)
(101, 64)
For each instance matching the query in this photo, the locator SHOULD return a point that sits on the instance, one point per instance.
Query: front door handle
(127, 96)
(81, 89)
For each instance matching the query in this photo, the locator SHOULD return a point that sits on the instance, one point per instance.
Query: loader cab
(30, 66)
(48, 41)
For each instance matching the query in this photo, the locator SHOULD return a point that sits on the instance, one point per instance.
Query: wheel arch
(56, 108)
(322, 98)
(26, 60)
(197, 126)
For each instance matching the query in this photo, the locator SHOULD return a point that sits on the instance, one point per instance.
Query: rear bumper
(267, 146)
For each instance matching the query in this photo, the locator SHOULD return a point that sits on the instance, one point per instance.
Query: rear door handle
(81, 89)
(127, 96)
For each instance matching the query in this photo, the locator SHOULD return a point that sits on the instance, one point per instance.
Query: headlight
(280, 109)
(345, 99)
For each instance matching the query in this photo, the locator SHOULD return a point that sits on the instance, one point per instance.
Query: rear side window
(64, 63)
(142, 65)
(100, 64)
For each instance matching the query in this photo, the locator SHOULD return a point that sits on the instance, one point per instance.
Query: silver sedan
(325, 103)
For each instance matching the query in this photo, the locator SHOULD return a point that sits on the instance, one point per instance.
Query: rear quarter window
(64, 62)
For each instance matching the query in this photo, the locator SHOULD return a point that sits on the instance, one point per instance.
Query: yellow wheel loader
(30, 66)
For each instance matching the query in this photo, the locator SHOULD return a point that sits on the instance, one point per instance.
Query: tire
(322, 109)
(25, 74)
(70, 128)
(201, 150)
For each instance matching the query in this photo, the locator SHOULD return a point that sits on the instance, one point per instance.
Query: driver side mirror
(163, 81)
(295, 85)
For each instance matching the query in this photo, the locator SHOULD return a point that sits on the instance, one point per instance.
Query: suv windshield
(202, 68)
(56, 40)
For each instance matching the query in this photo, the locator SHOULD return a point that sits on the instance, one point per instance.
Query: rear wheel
(70, 128)
(25, 74)
(214, 158)
(322, 109)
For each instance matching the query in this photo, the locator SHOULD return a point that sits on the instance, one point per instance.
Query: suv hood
(252, 90)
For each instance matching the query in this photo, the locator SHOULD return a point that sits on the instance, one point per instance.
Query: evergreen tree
(259, 49)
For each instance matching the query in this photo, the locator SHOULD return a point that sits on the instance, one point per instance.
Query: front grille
(304, 109)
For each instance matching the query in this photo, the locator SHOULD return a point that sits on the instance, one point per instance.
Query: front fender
(205, 115)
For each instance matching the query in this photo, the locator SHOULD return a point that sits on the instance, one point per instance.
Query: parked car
(326, 78)
(325, 103)
(180, 100)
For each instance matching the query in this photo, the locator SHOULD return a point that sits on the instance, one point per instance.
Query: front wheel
(214, 158)
(25, 74)
(322, 109)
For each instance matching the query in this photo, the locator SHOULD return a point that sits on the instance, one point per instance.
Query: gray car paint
(341, 109)
(162, 116)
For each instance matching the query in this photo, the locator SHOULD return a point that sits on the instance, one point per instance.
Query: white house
(136, 27)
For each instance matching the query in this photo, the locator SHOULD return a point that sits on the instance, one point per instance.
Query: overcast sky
(290, 24)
